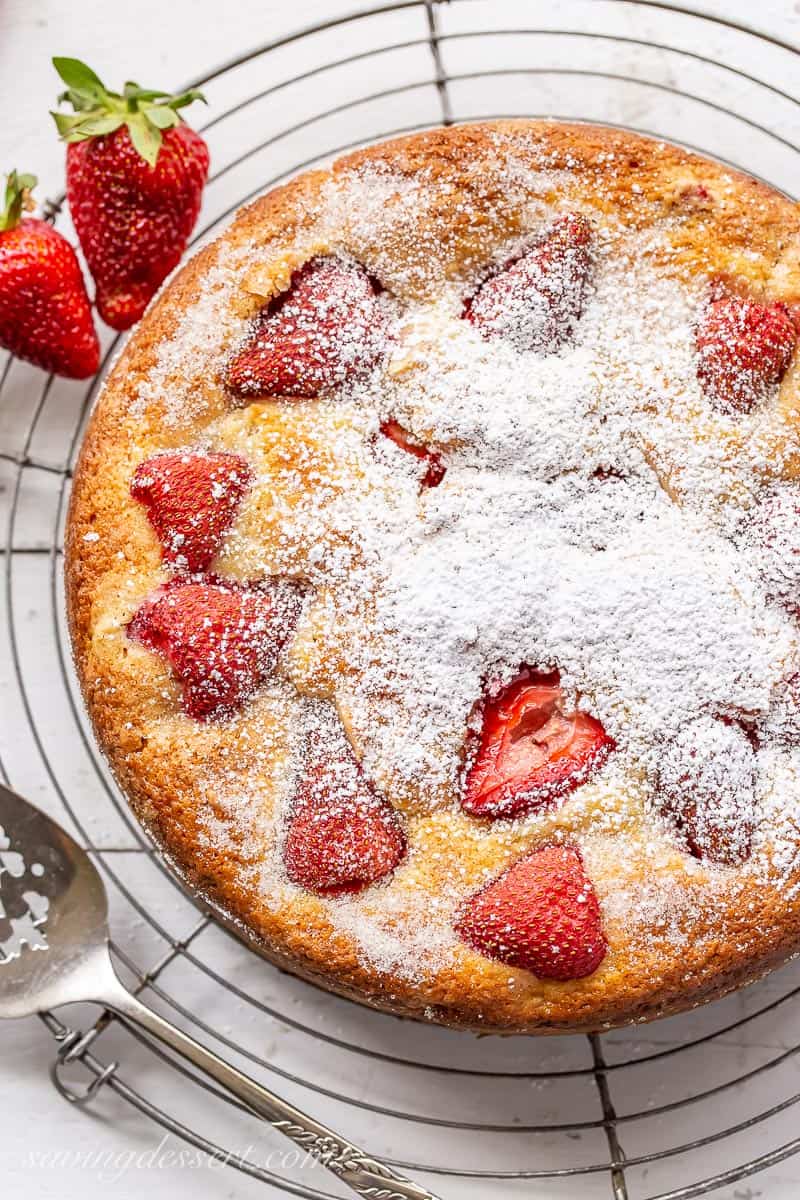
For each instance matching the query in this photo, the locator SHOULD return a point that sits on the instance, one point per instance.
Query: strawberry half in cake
(439, 611)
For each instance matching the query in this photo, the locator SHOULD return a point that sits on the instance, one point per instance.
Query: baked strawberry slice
(221, 640)
(743, 349)
(531, 751)
(706, 788)
(191, 500)
(541, 915)
(534, 302)
(434, 467)
(774, 534)
(328, 327)
(342, 836)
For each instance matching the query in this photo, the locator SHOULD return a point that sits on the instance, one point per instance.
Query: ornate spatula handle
(364, 1174)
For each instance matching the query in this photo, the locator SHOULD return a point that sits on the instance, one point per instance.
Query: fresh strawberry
(534, 301)
(434, 467)
(221, 640)
(327, 328)
(743, 349)
(531, 752)
(191, 500)
(342, 836)
(541, 915)
(706, 788)
(45, 315)
(135, 178)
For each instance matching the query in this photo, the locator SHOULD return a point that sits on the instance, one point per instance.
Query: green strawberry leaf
(98, 124)
(185, 98)
(132, 91)
(80, 101)
(80, 78)
(97, 111)
(161, 116)
(145, 137)
(18, 188)
(66, 122)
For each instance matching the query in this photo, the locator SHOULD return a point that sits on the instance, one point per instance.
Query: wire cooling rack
(664, 1112)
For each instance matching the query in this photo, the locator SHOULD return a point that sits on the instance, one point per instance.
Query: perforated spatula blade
(53, 912)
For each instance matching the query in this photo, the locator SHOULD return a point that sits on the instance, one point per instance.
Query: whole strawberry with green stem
(135, 177)
(45, 314)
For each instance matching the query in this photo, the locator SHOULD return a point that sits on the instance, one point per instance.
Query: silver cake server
(54, 950)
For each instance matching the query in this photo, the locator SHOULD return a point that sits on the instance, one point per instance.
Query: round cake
(433, 573)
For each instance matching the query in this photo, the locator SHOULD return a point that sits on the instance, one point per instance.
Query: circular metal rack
(663, 1112)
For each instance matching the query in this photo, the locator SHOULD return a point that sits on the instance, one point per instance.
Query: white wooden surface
(48, 1148)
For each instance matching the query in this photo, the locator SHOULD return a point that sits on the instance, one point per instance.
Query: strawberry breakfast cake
(433, 575)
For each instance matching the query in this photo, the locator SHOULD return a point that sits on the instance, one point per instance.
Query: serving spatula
(54, 950)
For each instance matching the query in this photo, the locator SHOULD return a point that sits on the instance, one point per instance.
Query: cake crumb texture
(595, 512)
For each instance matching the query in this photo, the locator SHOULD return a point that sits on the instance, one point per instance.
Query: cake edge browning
(588, 1005)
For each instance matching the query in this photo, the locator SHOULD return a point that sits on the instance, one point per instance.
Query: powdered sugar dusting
(596, 516)
(194, 349)
(552, 542)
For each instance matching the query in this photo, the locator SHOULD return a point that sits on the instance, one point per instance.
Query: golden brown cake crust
(178, 775)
